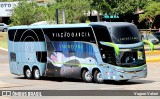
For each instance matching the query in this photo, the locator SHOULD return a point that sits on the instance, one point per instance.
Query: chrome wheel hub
(88, 76)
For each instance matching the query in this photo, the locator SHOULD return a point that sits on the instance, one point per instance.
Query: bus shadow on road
(55, 79)
(130, 82)
(110, 82)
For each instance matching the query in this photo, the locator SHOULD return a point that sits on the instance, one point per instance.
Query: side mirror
(116, 48)
(150, 44)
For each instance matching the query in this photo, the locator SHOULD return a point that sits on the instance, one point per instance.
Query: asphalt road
(14, 82)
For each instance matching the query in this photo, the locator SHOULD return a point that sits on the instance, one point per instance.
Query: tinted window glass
(41, 56)
(107, 53)
(12, 56)
(26, 35)
(125, 34)
(102, 33)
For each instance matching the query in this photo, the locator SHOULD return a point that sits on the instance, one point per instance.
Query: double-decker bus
(91, 51)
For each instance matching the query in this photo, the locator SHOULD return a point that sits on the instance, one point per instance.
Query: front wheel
(36, 73)
(98, 77)
(86, 76)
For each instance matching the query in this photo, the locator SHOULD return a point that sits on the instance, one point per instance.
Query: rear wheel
(28, 73)
(98, 77)
(36, 73)
(86, 76)
(5, 30)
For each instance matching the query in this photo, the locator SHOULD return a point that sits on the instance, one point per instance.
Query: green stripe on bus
(72, 64)
(116, 48)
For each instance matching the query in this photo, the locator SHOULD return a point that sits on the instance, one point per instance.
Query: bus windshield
(131, 57)
(125, 34)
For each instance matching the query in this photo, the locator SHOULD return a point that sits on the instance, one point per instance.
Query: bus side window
(102, 33)
(107, 53)
(41, 56)
(12, 57)
(25, 35)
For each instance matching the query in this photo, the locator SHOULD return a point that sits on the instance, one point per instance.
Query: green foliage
(10, 0)
(118, 7)
(126, 6)
(30, 12)
(101, 6)
(151, 10)
(74, 9)
(27, 13)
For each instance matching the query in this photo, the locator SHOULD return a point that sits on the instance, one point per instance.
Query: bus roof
(107, 24)
(49, 26)
(111, 24)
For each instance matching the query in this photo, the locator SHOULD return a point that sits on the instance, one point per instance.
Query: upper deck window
(26, 35)
(102, 33)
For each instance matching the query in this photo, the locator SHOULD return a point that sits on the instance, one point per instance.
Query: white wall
(6, 8)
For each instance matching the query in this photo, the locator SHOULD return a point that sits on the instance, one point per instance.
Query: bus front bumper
(121, 73)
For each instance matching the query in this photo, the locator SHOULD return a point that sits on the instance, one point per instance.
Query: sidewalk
(152, 56)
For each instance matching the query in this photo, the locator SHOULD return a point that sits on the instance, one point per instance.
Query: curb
(153, 60)
(152, 52)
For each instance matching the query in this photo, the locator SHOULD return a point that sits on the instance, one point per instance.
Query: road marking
(3, 49)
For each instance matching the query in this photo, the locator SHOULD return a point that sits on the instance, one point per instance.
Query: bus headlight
(118, 70)
(104, 65)
(145, 68)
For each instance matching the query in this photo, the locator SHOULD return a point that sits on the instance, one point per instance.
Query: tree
(74, 9)
(126, 6)
(101, 6)
(10, 0)
(117, 7)
(151, 10)
(27, 13)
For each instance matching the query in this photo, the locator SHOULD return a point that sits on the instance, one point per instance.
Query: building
(6, 11)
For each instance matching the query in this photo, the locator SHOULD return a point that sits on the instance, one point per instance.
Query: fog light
(145, 68)
(121, 76)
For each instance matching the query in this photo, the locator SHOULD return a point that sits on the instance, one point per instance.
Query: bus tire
(86, 76)
(98, 77)
(27, 73)
(36, 73)
(4, 30)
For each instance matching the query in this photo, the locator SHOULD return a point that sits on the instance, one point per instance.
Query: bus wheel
(98, 77)
(28, 73)
(86, 76)
(36, 73)
(4, 30)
